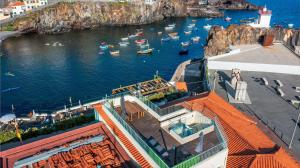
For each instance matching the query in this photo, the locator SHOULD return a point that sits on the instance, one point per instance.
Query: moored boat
(207, 27)
(187, 32)
(159, 33)
(115, 53)
(142, 41)
(195, 39)
(132, 36)
(144, 45)
(123, 43)
(165, 39)
(290, 25)
(124, 39)
(103, 46)
(146, 51)
(228, 19)
(172, 25)
(168, 28)
(185, 44)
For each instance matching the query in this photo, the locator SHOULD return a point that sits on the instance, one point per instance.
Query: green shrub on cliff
(8, 27)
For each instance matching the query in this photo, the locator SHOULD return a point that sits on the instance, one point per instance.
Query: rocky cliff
(219, 39)
(80, 15)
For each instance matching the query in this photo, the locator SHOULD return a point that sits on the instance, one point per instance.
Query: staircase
(135, 153)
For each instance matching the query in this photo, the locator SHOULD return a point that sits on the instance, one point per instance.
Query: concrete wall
(285, 69)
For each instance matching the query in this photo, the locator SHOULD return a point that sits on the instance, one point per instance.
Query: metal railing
(137, 138)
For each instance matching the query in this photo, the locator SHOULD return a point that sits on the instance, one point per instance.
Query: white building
(263, 20)
(18, 8)
(150, 2)
(32, 4)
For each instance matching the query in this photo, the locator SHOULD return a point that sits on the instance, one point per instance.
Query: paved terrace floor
(267, 105)
(148, 126)
(276, 54)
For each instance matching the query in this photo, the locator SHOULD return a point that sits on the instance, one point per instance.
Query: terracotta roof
(248, 145)
(18, 3)
(181, 86)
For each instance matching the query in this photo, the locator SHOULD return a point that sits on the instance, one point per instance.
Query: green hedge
(34, 132)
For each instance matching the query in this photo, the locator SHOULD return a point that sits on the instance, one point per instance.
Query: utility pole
(290, 145)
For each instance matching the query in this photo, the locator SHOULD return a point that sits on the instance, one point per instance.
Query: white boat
(185, 44)
(196, 39)
(187, 32)
(190, 26)
(168, 28)
(9, 74)
(115, 53)
(174, 37)
(124, 39)
(144, 45)
(47, 44)
(123, 43)
(172, 25)
(208, 18)
(132, 36)
(146, 51)
(159, 33)
(207, 27)
(228, 19)
(290, 25)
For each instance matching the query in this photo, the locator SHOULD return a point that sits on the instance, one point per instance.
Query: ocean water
(47, 76)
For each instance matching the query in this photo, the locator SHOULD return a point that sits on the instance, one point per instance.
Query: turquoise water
(47, 76)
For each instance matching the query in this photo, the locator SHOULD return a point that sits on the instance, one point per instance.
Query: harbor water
(46, 70)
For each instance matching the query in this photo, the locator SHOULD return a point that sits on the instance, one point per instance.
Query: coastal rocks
(65, 16)
(219, 39)
(236, 5)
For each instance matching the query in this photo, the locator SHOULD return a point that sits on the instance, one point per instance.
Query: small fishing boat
(101, 53)
(139, 30)
(290, 25)
(123, 43)
(169, 28)
(124, 39)
(228, 19)
(111, 46)
(172, 25)
(159, 33)
(115, 53)
(173, 34)
(144, 46)
(207, 27)
(187, 32)
(194, 20)
(165, 39)
(185, 44)
(139, 33)
(208, 18)
(195, 39)
(190, 26)
(9, 74)
(174, 37)
(103, 46)
(132, 36)
(142, 41)
(47, 44)
(146, 51)
(184, 51)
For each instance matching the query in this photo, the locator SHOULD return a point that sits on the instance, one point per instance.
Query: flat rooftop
(255, 53)
(148, 127)
(273, 110)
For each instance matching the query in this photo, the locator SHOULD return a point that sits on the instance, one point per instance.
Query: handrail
(143, 144)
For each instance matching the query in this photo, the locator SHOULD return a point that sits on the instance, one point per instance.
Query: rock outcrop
(220, 39)
(65, 16)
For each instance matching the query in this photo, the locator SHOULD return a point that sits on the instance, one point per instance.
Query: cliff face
(219, 39)
(80, 15)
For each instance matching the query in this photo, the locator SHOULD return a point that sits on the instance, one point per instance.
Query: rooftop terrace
(158, 132)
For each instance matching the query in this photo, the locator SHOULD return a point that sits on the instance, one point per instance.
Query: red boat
(140, 41)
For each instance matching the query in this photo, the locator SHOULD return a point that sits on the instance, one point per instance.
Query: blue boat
(165, 39)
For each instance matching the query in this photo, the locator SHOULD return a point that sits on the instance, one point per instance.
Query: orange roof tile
(248, 145)
(18, 3)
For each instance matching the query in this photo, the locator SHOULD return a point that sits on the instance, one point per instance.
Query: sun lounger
(278, 82)
(265, 81)
(279, 91)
